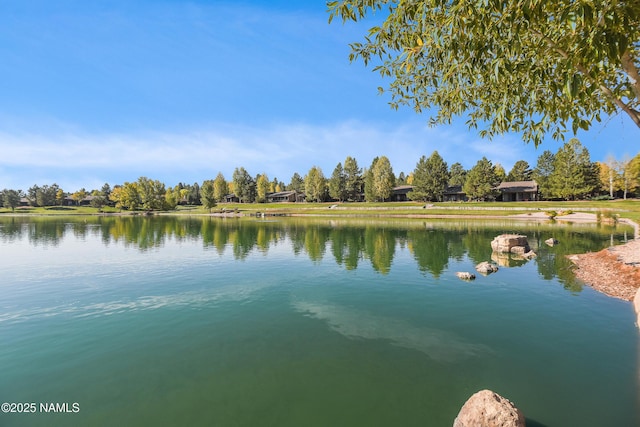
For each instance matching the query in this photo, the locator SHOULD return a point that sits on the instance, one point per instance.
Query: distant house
(69, 201)
(231, 198)
(518, 191)
(399, 194)
(454, 193)
(285, 196)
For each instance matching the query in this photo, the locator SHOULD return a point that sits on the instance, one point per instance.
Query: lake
(304, 322)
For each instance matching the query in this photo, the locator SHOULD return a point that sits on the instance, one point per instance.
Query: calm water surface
(170, 321)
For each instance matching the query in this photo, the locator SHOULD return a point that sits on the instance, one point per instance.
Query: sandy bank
(614, 271)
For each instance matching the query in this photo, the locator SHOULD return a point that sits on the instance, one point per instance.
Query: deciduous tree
(220, 187)
(151, 193)
(79, 196)
(262, 188)
(315, 185)
(10, 199)
(383, 179)
(207, 194)
(529, 66)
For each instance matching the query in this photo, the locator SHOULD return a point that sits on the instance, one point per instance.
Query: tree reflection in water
(432, 244)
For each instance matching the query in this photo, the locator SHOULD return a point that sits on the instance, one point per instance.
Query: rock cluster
(551, 241)
(488, 409)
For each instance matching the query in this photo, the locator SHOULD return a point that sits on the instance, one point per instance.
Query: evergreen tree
(519, 172)
(501, 174)
(572, 175)
(296, 184)
(430, 178)
(353, 180)
(244, 186)
(369, 187)
(542, 173)
(481, 181)
(337, 184)
(457, 175)
(401, 179)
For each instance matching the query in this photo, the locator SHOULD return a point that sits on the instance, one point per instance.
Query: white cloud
(69, 157)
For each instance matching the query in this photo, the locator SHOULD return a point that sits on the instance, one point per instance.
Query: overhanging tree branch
(627, 65)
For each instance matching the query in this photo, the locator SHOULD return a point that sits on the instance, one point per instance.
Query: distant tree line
(568, 174)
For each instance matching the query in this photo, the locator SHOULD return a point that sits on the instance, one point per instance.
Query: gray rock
(488, 409)
(464, 275)
(486, 268)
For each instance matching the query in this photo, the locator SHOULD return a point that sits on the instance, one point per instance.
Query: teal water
(168, 321)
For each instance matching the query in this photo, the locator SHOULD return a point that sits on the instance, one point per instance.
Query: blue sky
(107, 91)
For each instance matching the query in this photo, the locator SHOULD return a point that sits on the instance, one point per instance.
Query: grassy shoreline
(629, 209)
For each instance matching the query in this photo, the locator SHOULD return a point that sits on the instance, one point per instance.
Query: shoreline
(614, 271)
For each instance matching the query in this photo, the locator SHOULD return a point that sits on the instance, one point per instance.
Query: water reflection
(433, 245)
(439, 345)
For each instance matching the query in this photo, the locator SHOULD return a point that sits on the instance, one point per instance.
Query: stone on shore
(464, 275)
(486, 268)
(551, 241)
(488, 409)
(514, 243)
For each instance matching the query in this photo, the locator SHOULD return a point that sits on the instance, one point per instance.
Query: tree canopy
(481, 181)
(431, 176)
(530, 66)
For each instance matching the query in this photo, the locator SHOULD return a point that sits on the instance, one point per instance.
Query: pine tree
(337, 187)
(457, 175)
(353, 180)
(572, 175)
(519, 172)
(430, 178)
(542, 173)
(481, 181)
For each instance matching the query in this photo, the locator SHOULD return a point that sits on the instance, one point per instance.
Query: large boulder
(505, 242)
(488, 409)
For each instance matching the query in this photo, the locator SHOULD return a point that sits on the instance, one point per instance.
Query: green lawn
(624, 208)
